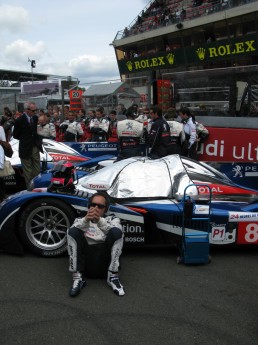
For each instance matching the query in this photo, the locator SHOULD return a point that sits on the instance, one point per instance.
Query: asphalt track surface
(165, 303)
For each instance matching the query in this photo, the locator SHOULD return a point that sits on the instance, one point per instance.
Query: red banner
(230, 145)
(164, 93)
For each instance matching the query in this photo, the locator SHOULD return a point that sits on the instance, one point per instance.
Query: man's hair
(28, 104)
(130, 114)
(171, 114)
(157, 110)
(104, 195)
(186, 111)
(100, 109)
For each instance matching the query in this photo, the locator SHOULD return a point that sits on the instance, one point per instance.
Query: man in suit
(30, 144)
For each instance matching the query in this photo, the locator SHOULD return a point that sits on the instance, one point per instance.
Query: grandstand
(169, 37)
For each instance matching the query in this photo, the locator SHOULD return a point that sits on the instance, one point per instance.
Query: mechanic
(130, 134)
(45, 129)
(95, 244)
(159, 135)
(7, 121)
(71, 128)
(112, 131)
(190, 144)
(99, 126)
(177, 133)
(30, 144)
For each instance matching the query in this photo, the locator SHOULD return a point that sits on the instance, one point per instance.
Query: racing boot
(79, 283)
(114, 282)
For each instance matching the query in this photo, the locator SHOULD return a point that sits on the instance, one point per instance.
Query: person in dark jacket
(159, 135)
(30, 144)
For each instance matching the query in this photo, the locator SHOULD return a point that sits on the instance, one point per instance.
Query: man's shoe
(78, 283)
(113, 281)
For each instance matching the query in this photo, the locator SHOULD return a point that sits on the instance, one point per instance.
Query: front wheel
(43, 226)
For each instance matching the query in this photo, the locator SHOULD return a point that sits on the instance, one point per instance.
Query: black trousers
(129, 152)
(93, 259)
(2, 189)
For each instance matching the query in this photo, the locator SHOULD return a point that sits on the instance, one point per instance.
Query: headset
(104, 195)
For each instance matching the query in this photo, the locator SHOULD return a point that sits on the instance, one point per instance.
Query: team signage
(221, 145)
(75, 99)
(207, 52)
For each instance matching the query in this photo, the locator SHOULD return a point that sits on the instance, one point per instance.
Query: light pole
(33, 65)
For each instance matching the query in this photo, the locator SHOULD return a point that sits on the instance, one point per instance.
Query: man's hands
(93, 215)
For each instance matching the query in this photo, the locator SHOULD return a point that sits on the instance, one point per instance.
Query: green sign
(198, 54)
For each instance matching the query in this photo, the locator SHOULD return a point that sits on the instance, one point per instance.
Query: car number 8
(251, 233)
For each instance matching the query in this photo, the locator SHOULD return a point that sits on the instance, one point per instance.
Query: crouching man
(95, 244)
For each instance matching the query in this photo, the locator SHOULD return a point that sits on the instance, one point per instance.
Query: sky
(67, 38)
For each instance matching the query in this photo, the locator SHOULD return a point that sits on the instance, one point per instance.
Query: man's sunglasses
(100, 206)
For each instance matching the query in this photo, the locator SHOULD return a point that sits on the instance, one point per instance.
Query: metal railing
(191, 12)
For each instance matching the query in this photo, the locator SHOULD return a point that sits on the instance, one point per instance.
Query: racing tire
(43, 227)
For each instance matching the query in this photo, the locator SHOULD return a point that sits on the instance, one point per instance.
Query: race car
(149, 196)
(53, 152)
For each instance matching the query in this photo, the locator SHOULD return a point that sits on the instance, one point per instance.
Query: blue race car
(53, 152)
(150, 198)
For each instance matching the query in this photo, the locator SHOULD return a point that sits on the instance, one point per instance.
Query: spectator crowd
(159, 13)
(129, 128)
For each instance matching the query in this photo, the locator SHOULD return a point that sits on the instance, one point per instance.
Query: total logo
(206, 190)
(97, 186)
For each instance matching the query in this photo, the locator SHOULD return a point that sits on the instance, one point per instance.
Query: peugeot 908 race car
(147, 195)
(52, 152)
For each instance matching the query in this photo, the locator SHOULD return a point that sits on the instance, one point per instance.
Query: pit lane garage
(147, 195)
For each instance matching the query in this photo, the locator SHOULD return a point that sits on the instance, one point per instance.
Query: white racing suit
(99, 129)
(47, 131)
(130, 133)
(190, 144)
(72, 129)
(95, 248)
(177, 137)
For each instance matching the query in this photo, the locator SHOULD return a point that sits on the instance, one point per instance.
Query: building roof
(21, 76)
(107, 89)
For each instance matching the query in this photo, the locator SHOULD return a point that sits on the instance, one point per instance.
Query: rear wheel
(43, 226)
